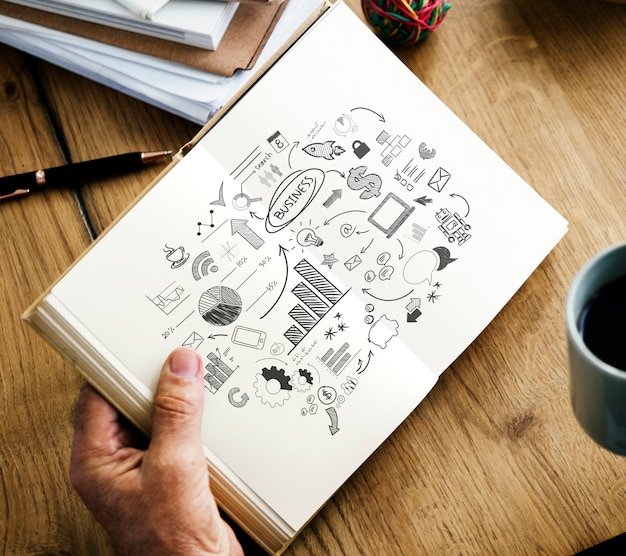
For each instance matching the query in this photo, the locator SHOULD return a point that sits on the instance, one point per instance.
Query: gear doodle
(302, 380)
(272, 386)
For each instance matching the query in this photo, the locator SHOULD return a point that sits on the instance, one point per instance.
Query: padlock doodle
(357, 179)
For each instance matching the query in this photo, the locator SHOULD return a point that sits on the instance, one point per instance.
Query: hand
(156, 500)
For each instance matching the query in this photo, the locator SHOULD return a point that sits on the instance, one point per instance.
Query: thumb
(179, 402)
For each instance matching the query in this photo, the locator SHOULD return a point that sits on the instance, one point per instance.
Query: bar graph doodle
(316, 296)
(217, 373)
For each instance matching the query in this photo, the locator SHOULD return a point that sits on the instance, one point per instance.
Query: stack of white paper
(182, 90)
(200, 24)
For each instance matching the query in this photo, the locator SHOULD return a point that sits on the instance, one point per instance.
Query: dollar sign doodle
(357, 179)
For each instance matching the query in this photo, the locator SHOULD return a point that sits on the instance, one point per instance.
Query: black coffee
(602, 323)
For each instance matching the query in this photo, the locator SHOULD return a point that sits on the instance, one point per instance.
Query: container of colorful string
(404, 21)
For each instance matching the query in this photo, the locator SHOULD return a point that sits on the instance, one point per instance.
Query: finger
(178, 403)
(95, 420)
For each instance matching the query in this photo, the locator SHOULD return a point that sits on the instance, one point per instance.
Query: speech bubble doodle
(386, 272)
(420, 267)
(383, 258)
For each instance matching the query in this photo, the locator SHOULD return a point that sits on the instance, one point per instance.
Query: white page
(314, 353)
(202, 24)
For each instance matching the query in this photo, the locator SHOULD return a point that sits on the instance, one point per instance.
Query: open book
(201, 24)
(330, 245)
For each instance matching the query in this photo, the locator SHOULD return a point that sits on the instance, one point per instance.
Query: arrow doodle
(241, 227)
(334, 420)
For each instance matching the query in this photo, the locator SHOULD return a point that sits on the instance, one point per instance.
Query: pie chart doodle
(220, 305)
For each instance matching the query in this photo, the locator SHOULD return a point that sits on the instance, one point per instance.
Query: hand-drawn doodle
(369, 276)
(194, 340)
(444, 257)
(334, 196)
(365, 364)
(347, 229)
(432, 296)
(425, 152)
(326, 395)
(202, 265)
(453, 226)
(209, 225)
(292, 197)
(349, 385)
(392, 148)
(306, 237)
(241, 402)
(353, 262)
(316, 296)
(248, 337)
(269, 177)
(371, 183)
(360, 149)
(277, 141)
(176, 256)
(277, 348)
(220, 199)
(382, 331)
(334, 420)
(327, 150)
(336, 359)
(408, 176)
(385, 273)
(439, 179)
(420, 267)
(272, 386)
(418, 232)
(242, 201)
(423, 200)
(217, 373)
(241, 227)
(169, 297)
(390, 214)
(330, 260)
(302, 380)
(413, 309)
(219, 305)
(344, 125)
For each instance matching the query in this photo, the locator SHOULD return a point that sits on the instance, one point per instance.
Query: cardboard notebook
(330, 244)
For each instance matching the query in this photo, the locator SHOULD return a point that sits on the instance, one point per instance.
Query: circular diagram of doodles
(220, 305)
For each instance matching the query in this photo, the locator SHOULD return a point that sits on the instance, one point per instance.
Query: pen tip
(154, 156)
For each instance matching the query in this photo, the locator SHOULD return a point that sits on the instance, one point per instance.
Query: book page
(351, 240)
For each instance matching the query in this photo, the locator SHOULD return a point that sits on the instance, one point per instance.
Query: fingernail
(184, 363)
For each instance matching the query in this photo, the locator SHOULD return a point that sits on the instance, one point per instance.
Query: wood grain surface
(493, 461)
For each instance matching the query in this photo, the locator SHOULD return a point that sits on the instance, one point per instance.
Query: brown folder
(239, 48)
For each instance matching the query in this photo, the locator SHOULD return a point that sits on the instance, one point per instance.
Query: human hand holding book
(125, 485)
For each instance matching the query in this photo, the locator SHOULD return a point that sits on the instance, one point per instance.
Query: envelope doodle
(439, 180)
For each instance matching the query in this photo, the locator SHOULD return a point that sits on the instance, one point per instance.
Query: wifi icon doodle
(202, 265)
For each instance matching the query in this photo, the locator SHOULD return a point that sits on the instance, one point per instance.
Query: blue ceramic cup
(597, 389)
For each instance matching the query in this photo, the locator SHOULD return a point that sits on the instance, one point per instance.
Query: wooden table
(493, 462)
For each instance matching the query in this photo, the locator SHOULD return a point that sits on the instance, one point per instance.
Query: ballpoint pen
(77, 173)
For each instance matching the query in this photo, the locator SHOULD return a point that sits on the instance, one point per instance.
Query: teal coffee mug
(596, 330)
